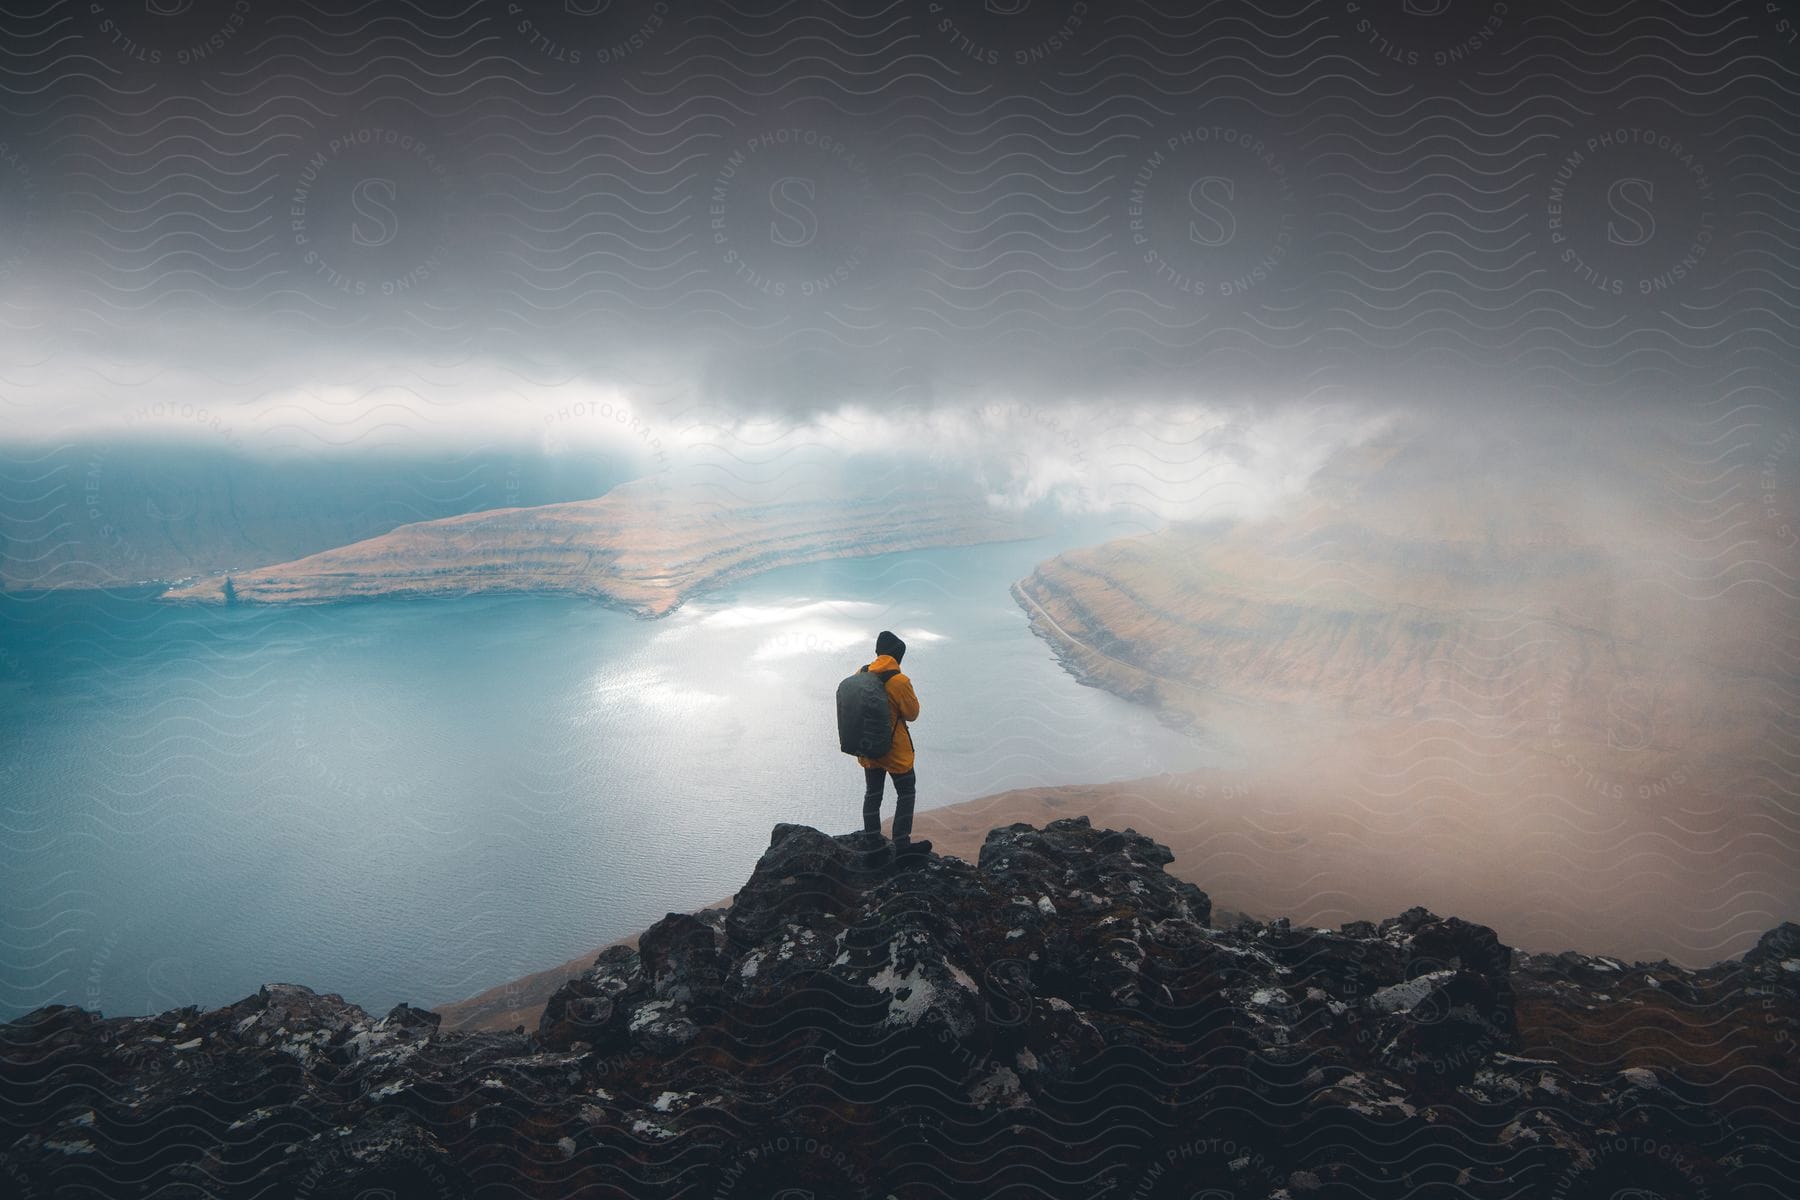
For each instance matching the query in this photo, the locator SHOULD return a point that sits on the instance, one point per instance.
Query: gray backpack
(866, 721)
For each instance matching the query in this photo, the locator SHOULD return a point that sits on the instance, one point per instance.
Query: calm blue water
(415, 800)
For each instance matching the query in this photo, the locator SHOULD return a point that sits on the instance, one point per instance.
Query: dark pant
(904, 788)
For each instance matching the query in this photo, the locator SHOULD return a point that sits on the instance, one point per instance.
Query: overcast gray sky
(343, 225)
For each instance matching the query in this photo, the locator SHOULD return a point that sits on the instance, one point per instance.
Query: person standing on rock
(898, 761)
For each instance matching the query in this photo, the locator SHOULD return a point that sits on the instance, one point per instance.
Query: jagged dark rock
(1060, 1018)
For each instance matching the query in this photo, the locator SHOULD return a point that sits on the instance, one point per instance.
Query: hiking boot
(912, 849)
(874, 846)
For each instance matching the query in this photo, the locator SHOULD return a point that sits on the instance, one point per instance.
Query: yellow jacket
(899, 758)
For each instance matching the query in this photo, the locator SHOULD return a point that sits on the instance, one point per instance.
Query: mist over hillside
(1507, 648)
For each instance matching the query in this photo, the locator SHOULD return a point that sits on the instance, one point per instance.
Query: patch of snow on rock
(1401, 997)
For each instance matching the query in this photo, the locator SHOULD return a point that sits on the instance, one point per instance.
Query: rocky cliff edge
(1059, 1019)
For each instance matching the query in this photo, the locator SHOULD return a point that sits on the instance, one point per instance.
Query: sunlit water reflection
(417, 800)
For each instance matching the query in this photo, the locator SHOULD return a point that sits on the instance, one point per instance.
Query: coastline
(184, 592)
(597, 549)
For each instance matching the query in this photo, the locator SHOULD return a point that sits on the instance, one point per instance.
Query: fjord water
(415, 800)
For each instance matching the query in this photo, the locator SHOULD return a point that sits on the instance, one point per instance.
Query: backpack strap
(884, 676)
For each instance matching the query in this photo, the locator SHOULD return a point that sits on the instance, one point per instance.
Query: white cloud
(1153, 457)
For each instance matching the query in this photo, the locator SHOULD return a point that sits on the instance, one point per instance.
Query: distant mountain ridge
(1571, 661)
(1562, 602)
(645, 546)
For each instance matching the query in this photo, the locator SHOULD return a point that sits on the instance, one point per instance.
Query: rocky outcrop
(1060, 1018)
(644, 546)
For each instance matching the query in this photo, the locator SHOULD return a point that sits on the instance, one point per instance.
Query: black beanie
(887, 643)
